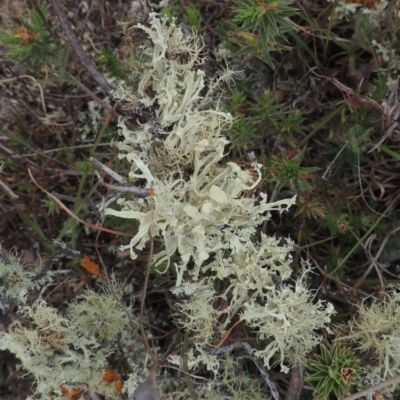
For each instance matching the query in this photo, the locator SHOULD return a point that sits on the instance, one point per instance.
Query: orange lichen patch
(90, 266)
(73, 393)
(119, 386)
(111, 376)
(369, 3)
(378, 396)
(152, 192)
(25, 35)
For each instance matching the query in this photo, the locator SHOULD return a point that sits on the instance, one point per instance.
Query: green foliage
(265, 106)
(52, 206)
(335, 372)
(288, 172)
(262, 26)
(253, 118)
(243, 133)
(84, 166)
(193, 17)
(259, 116)
(109, 62)
(336, 222)
(292, 122)
(33, 41)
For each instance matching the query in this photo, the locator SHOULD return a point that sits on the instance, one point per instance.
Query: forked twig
(124, 188)
(109, 171)
(63, 206)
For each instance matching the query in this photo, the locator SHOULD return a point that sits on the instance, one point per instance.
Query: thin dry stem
(375, 388)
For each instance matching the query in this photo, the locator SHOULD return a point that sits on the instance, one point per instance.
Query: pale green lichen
(344, 9)
(58, 349)
(198, 313)
(376, 330)
(198, 202)
(200, 209)
(288, 320)
(233, 383)
(98, 314)
(16, 280)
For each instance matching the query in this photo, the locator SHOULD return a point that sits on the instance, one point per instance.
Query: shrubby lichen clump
(59, 350)
(201, 209)
(376, 331)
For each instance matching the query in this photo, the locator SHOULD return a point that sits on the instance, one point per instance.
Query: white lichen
(201, 209)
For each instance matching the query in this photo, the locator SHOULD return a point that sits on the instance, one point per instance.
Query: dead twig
(243, 345)
(389, 108)
(296, 383)
(92, 226)
(8, 190)
(375, 388)
(329, 167)
(124, 188)
(77, 51)
(145, 10)
(122, 181)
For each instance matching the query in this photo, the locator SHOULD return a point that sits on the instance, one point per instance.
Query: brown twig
(8, 190)
(124, 188)
(93, 96)
(142, 307)
(296, 384)
(375, 388)
(77, 51)
(92, 226)
(145, 10)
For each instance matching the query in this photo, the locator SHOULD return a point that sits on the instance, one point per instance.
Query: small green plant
(32, 42)
(262, 26)
(334, 371)
(193, 17)
(287, 171)
(110, 63)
